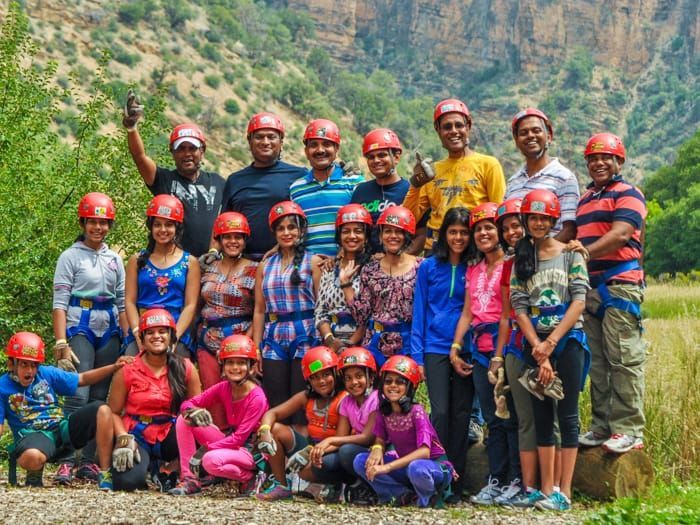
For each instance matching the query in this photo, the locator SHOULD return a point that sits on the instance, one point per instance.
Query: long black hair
(145, 254)
(176, 374)
(299, 247)
(365, 255)
(525, 264)
(455, 216)
(499, 224)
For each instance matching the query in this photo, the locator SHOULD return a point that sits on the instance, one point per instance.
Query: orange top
(323, 423)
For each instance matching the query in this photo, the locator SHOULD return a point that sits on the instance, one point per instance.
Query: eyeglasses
(400, 381)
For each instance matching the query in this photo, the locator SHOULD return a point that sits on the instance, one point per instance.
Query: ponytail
(525, 258)
(176, 377)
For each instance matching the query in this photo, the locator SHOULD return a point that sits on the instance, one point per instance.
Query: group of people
(276, 327)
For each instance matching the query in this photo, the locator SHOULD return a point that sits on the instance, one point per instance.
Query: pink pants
(236, 464)
(210, 374)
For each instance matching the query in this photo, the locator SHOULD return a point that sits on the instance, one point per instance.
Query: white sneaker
(621, 443)
(507, 493)
(488, 494)
(591, 439)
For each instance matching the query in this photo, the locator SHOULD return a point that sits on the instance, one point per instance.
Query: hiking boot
(35, 478)
(476, 432)
(509, 492)
(64, 474)
(621, 443)
(557, 501)
(88, 472)
(274, 492)
(488, 494)
(591, 439)
(104, 481)
(187, 487)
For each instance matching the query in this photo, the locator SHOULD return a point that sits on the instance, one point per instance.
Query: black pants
(281, 380)
(451, 397)
(135, 478)
(569, 367)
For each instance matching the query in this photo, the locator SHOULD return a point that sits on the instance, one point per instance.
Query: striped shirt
(597, 210)
(554, 177)
(321, 202)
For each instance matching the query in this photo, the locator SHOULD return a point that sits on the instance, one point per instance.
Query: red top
(323, 423)
(149, 396)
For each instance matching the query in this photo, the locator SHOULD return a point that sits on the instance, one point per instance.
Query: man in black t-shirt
(255, 189)
(199, 191)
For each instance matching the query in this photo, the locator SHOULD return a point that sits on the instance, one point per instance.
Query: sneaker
(526, 500)
(274, 492)
(488, 494)
(476, 432)
(557, 501)
(621, 443)
(208, 480)
(104, 481)
(187, 487)
(88, 471)
(249, 488)
(360, 494)
(509, 492)
(35, 478)
(64, 474)
(591, 439)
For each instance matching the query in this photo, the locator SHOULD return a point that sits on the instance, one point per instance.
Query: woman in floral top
(163, 275)
(334, 322)
(385, 301)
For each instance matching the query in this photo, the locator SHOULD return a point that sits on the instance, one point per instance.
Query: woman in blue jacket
(438, 302)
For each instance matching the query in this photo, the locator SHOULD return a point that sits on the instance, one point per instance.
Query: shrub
(232, 107)
(213, 81)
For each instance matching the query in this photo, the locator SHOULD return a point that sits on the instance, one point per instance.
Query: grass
(671, 301)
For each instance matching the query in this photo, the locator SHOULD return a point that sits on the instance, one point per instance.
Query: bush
(211, 52)
(213, 81)
(132, 12)
(232, 107)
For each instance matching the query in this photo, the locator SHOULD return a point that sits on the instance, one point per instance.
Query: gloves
(349, 169)
(299, 460)
(198, 417)
(209, 258)
(267, 444)
(529, 381)
(65, 357)
(125, 453)
(555, 389)
(196, 460)
(133, 110)
(499, 394)
(422, 171)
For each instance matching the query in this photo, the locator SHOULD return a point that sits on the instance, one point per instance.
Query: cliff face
(523, 35)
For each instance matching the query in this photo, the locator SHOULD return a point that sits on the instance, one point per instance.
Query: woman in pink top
(244, 403)
(145, 397)
(478, 329)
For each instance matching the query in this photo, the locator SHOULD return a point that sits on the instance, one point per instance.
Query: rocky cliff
(522, 35)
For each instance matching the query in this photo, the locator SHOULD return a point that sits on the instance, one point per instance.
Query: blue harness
(511, 346)
(226, 324)
(470, 339)
(608, 301)
(340, 319)
(576, 334)
(403, 328)
(142, 423)
(88, 304)
(287, 317)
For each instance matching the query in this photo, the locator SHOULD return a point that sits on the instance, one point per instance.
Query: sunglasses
(400, 381)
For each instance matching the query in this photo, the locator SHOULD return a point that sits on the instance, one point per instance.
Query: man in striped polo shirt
(610, 225)
(533, 134)
(325, 188)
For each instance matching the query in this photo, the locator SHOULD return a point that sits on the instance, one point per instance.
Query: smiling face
(265, 146)
(95, 230)
(539, 226)
(457, 237)
(156, 340)
(287, 232)
(323, 382)
(392, 238)
(163, 230)
(353, 237)
(512, 229)
(394, 386)
(485, 236)
(355, 379)
(236, 369)
(232, 244)
(382, 163)
(532, 137)
(453, 129)
(187, 159)
(602, 167)
(321, 153)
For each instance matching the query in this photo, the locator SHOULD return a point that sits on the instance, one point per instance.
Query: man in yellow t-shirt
(465, 178)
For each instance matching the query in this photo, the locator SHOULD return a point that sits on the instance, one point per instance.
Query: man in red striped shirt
(610, 224)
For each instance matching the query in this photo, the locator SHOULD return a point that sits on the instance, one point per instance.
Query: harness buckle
(272, 317)
(86, 304)
(378, 326)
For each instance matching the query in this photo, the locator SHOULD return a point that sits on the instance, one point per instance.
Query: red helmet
(605, 143)
(265, 121)
(509, 207)
(231, 222)
(541, 202)
(487, 210)
(27, 346)
(356, 356)
(353, 213)
(156, 317)
(322, 129)
(399, 217)
(166, 207)
(381, 138)
(530, 112)
(403, 366)
(450, 105)
(96, 206)
(284, 208)
(316, 359)
(238, 345)
(187, 133)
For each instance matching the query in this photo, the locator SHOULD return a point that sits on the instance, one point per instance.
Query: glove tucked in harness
(297, 318)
